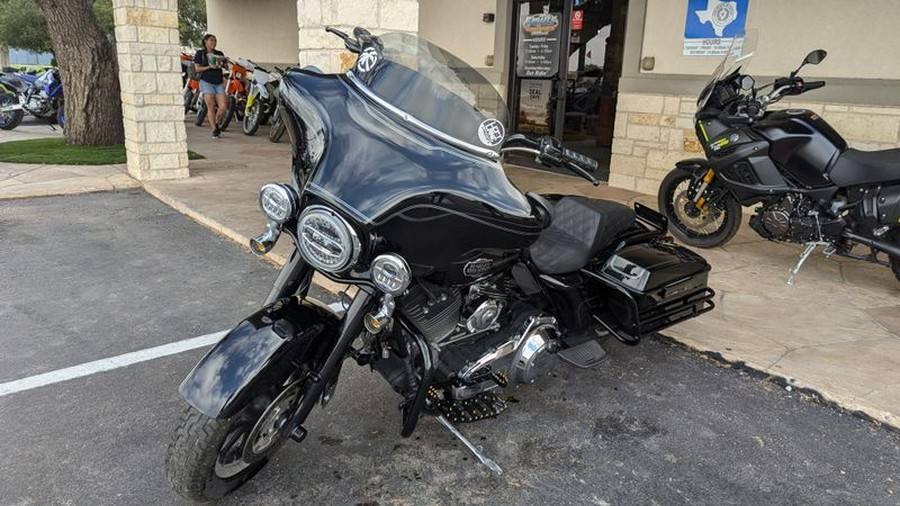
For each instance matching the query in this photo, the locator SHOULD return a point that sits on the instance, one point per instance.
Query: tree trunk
(4, 56)
(90, 73)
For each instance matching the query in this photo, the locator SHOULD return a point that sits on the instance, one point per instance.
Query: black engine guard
(265, 348)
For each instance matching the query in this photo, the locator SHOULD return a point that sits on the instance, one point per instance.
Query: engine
(36, 103)
(485, 339)
(796, 218)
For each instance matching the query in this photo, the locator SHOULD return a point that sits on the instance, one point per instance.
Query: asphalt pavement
(95, 276)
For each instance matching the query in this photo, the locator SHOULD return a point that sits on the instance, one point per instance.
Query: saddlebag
(650, 286)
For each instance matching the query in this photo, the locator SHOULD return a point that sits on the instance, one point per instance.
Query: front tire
(277, 130)
(209, 458)
(253, 119)
(12, 119)
(715, 225)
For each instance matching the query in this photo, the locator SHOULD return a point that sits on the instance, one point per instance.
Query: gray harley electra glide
(464, 287)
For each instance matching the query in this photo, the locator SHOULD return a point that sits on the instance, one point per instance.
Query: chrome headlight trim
(278, 202)
(391, 274)
(326, 240)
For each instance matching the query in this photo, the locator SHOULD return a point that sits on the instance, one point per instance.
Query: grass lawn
(55, 151)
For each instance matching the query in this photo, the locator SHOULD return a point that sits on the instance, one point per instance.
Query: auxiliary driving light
(278, 202)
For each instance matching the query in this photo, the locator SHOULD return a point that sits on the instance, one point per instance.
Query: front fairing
(366, 162)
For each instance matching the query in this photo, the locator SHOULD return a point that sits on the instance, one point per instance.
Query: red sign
(577, 20)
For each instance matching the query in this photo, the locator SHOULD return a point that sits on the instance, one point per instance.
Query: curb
(809, 392)
(231, 234)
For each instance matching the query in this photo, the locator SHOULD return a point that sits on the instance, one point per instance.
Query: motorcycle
(464, 287)
(40, 95)
(812, 189)
(190, 85)
(235, 92)
(261, 102)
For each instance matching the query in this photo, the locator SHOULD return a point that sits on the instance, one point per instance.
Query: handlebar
(550, 152)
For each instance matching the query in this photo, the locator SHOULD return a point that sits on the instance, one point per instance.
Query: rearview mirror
(815, 57)
(747, 83)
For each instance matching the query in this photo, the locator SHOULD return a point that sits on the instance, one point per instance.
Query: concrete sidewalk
(19, 180)
(837, 331)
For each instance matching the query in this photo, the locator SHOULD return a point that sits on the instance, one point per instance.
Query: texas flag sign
(711, 24)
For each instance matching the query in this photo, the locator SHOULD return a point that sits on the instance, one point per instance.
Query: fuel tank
(803, 144)
(453, 216)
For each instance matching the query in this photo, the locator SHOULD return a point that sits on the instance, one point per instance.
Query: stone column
(150, 76)
(326, 51)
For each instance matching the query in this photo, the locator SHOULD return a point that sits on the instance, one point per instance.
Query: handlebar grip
(813, 85)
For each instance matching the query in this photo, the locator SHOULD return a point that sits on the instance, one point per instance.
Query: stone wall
(327, 51)
(150, 76)
(652, 132)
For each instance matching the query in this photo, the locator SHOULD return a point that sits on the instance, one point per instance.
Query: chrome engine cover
(527, 355)
(485, 316)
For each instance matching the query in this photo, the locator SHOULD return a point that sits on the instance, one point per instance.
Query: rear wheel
(713, 225)
(61, 116)
(11, 119)
(201, 111)
(894, 236)
(229, 113)
(208, 458)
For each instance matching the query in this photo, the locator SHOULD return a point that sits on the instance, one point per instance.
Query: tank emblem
(491, 132)
(478, 267)
(368, 59)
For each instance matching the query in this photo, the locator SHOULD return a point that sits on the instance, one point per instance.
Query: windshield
(435, 88)
(739, 54)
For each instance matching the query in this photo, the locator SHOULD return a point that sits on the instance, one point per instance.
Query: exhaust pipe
(891, 249)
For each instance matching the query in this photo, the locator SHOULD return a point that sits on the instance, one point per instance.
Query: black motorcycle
(811, 188)
(464, 287)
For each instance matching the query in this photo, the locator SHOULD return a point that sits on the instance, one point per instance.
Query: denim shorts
(212, 89)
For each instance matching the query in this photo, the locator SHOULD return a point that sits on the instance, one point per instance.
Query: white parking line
(108, 364)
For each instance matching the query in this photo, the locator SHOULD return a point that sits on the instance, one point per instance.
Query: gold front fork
(699, 199)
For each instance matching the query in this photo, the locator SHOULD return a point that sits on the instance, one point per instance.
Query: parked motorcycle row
(463, 287)
(37, 93)
(250, 96)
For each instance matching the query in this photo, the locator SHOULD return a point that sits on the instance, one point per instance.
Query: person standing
(208, 62)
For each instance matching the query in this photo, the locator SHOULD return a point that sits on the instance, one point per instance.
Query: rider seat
(854, 167)
(580, 229)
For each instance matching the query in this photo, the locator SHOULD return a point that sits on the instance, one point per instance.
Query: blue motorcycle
(40, 95)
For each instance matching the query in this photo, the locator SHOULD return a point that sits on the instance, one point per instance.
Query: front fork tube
(317, 381)
(699, 199)
(294, 278)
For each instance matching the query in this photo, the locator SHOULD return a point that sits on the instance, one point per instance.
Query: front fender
(260, 352)
(696, 166)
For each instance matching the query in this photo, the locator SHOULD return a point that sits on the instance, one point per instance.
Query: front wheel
(12, 119)
(253, 118)
(208, 458)
(714, 224)
(277, 130)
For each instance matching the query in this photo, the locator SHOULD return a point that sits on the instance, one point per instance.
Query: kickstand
(490, 464)
(810, 247)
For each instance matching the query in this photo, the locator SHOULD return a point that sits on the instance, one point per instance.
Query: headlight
(391, 274)
(278, 202)
(326, 240)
